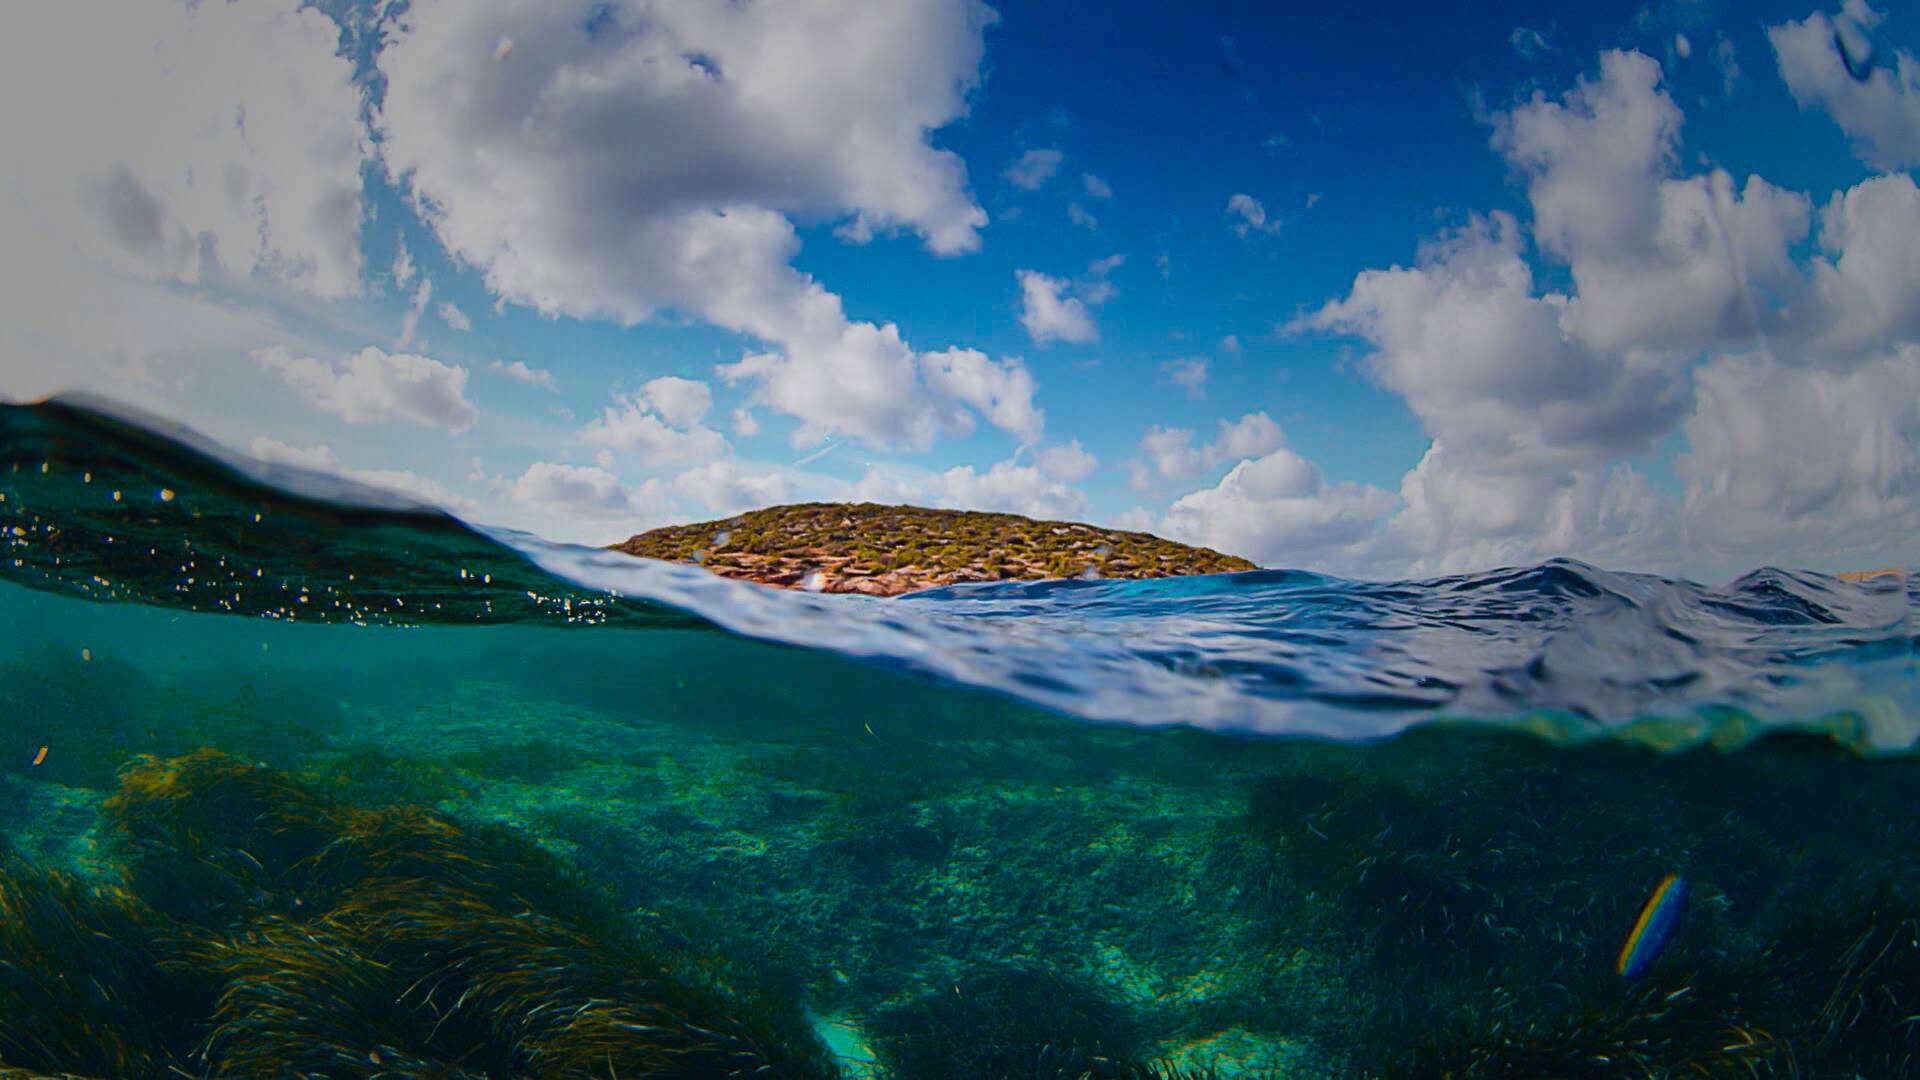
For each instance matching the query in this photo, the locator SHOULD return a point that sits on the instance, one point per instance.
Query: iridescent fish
(1653, 927)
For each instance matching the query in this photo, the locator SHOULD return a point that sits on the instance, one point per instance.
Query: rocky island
(887, 550)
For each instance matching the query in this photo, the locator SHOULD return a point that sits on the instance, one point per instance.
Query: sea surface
(300, 779)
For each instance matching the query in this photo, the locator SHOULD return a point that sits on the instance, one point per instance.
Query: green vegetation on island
(886, 550)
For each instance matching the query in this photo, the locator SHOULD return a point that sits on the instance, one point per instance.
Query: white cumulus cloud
(1010, 488)
(415, 486)
(316, 458)
(1067, 462)
(131, 154)
(1169, 453)
(520, 371)
(1001, 391)
(661, 422)
(580, 491)
(1534, 396)
(729, 118)
(723, 488)
(1049, 314)
(398, 481)
(374, 384)
(680, 402)
(190, 144)
(1278, 511)
(1877, 102)
(1806, 466)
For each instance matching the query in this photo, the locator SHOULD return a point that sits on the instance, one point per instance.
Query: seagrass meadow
(522, 853)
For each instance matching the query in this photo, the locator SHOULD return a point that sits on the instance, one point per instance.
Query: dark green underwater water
(547, 832)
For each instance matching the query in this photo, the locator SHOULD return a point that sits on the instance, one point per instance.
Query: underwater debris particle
(86, 654)
(41, 756)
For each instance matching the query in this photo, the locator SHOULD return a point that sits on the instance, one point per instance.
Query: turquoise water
(299, 782)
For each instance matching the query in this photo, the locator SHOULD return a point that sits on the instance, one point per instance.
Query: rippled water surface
(299, 780)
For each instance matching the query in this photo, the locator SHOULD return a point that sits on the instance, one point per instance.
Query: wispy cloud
(1529, 42)
(1252, 215)
(1189, 373)
(410, 322)
(519, 371)
(1033, 168)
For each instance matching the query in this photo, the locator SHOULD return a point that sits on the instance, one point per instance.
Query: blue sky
(1379, 290)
